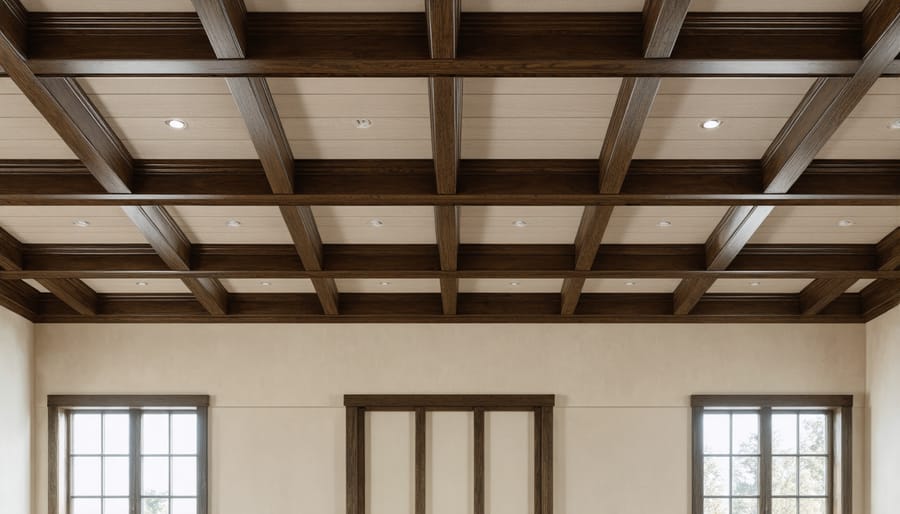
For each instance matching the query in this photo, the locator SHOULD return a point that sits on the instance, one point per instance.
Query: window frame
(59, 413)
(839, 409)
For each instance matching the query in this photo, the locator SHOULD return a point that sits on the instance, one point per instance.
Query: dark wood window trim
(840, 441)
(60, 408)
(541, 405)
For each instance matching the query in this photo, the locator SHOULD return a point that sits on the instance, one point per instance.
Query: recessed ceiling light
(375, 222)
(754, 284)
(81, 223)
(895, 125)
(520, 223)
(630, 283)
(711, 124)
(363, 123)
(384, 283)
(141, 284)
(514, 284)
(176, 124)
(265, 283)
(233, 223)
(664, 223)
(846, 223)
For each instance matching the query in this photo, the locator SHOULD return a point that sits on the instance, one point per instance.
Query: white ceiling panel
(760, 286)
(540, 86)
(388, 285)
(45, 225)
(662, 225)
(538, 106)
(132, 285)
(210, 225)
(859, 285)
(348, 86)
(362, 149)
(35, 284)
(630, 285)
(268, 285)
(807, 224)
(497, 224)
(375, 224)
(510, 285)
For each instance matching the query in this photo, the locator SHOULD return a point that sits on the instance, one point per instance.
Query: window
(771, 454)
(128, 454)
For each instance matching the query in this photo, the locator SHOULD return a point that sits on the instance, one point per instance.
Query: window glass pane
(784, 476)
(155, 476)
(745, 506)
(715, 476)
(813, 506)
(184, 434)
(155, 506)
(115, 434)
(813, 476)
(85, 476)
(85, 506)
(813, 433)
(115, 476)
(715, 506)
(155, 433)
(784, 506)
(115, 506)
(86, 433)
(784, 433)
(745, 476)
(184, 506)
(716, 433)
(184, 476)
(745, 433)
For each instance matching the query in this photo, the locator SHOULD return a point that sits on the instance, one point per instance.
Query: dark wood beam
(446, 222)
(20, 298)
(821, 292)
(662, 21)
(446, 97)
(473, 308)
(210, 293)
(688, 294)
(491, 44)
(879, 297)
(481, 182)
(225, 24)
(889, 251)
(473, 261)
(73, 292)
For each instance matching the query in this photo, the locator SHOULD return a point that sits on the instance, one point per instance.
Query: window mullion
(765, 464)
(134, 453)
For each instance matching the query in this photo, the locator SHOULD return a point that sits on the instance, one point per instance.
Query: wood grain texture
(302, 227)
(445, 95)
(633, 104)
(421, 464)
(443, 18)
(225, 24)
(210, 293)
(74, 293)
(20, 298)
(122, 400)
(689, 292)
(879, 297)
(772, 400)
(662, 24)
(478, 476)
(821, 292)
(889, 251)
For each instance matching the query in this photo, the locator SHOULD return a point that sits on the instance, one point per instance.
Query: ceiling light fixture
(375, 222)
(846, 223)
(514, 284)
(384, 283)
(664, 223)
(630, 283)
(141, 284)
(363, 123)
(711, 124)
(81, 223)
(520, 223)
(265, 283)
(176, 124)
(895, 125)
(754, 284)
(232, 223)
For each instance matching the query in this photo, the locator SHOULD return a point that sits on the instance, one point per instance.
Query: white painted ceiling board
(510, 285)
(637, 285)
(45, 225)
(198, 129)
(351, 224)
(809, 224)
(34, 149)
(764, 286)
(164, 105)
(388, 285)
(725, 105)
(349, 105)
(275, 285)
(857, 149)
(154, 85)
(133, 285)
(340, 129)
(35, 284)
(734, 86)
(109, 5)
(859, 285)
(638, 224)
(538, 106)
(540, 86)
(494, 224)
(203, 149)
(208, 225)
(693, 149)
(362, 149)
(348, 85)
